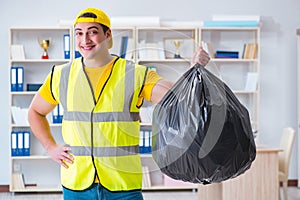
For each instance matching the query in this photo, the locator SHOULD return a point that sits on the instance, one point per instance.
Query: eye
(78, 33)
(93, 32)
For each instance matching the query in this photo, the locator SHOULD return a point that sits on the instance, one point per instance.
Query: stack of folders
(145, 145)
(20, 143)
(57, 114)
(17, 78)
(227, 54)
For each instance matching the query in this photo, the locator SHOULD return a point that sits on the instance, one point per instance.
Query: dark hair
(92, 15)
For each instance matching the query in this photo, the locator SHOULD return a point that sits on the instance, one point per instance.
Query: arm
(163, 86)
(38, 110)
(160, 89)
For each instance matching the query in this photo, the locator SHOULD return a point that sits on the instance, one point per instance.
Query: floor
(293, 192)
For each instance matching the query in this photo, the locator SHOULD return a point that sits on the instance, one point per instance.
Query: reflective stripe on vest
(105, 151)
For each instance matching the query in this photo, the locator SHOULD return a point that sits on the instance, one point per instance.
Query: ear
(108, 33)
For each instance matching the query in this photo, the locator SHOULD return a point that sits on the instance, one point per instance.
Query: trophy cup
(45, 43)
(177, 45)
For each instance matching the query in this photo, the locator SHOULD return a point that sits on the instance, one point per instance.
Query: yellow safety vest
(103, 133)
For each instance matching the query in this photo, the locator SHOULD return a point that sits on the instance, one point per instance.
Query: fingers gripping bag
(201, 133)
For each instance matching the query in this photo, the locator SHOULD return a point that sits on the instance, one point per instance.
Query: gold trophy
(45, 44)
(177, 46)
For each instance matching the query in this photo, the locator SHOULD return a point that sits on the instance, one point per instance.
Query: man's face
(90, 39)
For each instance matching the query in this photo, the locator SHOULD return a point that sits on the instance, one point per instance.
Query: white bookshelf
(36, 69)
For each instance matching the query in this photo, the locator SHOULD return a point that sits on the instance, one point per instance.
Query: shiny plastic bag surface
(201, 133)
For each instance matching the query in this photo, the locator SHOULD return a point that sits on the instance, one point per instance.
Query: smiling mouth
(87, 48)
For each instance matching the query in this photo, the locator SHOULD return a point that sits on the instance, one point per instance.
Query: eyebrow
(79, 29)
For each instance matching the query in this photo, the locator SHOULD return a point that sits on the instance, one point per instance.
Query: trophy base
(45, 57)
(177, 56)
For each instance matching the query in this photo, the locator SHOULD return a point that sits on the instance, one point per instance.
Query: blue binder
(55, 112)
(20, 144)
(14, 150)
(147, 142)
(13, 79)
(124, 42)
(67, 46)
(20, 78)
(60, 113)
(26, 141)
(142, 142)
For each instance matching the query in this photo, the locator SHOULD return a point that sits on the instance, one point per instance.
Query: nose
(86, 38)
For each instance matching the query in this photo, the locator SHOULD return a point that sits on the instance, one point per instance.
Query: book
(17, 52)
(18, 181)
(146, 177)
(253, 51)
(236, 18)
(250, 51)
(230, 23)
(251, 82)
(207, 46)
(226, 54)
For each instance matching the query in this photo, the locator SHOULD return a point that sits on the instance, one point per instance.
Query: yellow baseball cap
(101, 18)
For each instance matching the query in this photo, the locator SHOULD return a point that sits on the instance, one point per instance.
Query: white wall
(280, 19)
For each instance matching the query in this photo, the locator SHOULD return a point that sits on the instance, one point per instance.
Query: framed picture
(179, 48)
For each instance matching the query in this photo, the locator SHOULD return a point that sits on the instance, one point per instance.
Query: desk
(260, 182)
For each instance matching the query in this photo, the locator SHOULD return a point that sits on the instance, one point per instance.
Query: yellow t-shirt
(97, 78)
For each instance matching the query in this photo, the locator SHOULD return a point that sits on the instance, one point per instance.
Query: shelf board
(32, 157)
(229, 28)
(28, 126)
(179, 187)
(41, 61)
(232, 60)
(29, 93)
(39, 188)
(244, 92)
(183, 60)
(146, 155)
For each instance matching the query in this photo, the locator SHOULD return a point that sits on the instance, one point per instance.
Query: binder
(20, 144)
(20, 78)
(147, 142)
(141, 143)
(77, 53)
(67, 46)
(14, 143)
(13, 79)
(55, 119)
(124, 42)
(60, 113)
(26, 139)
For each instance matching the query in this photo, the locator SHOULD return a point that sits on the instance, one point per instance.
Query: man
(101, 95)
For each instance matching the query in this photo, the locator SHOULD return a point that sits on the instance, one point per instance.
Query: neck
(97, 61)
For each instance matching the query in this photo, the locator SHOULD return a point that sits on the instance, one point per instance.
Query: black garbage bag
(201, 133)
